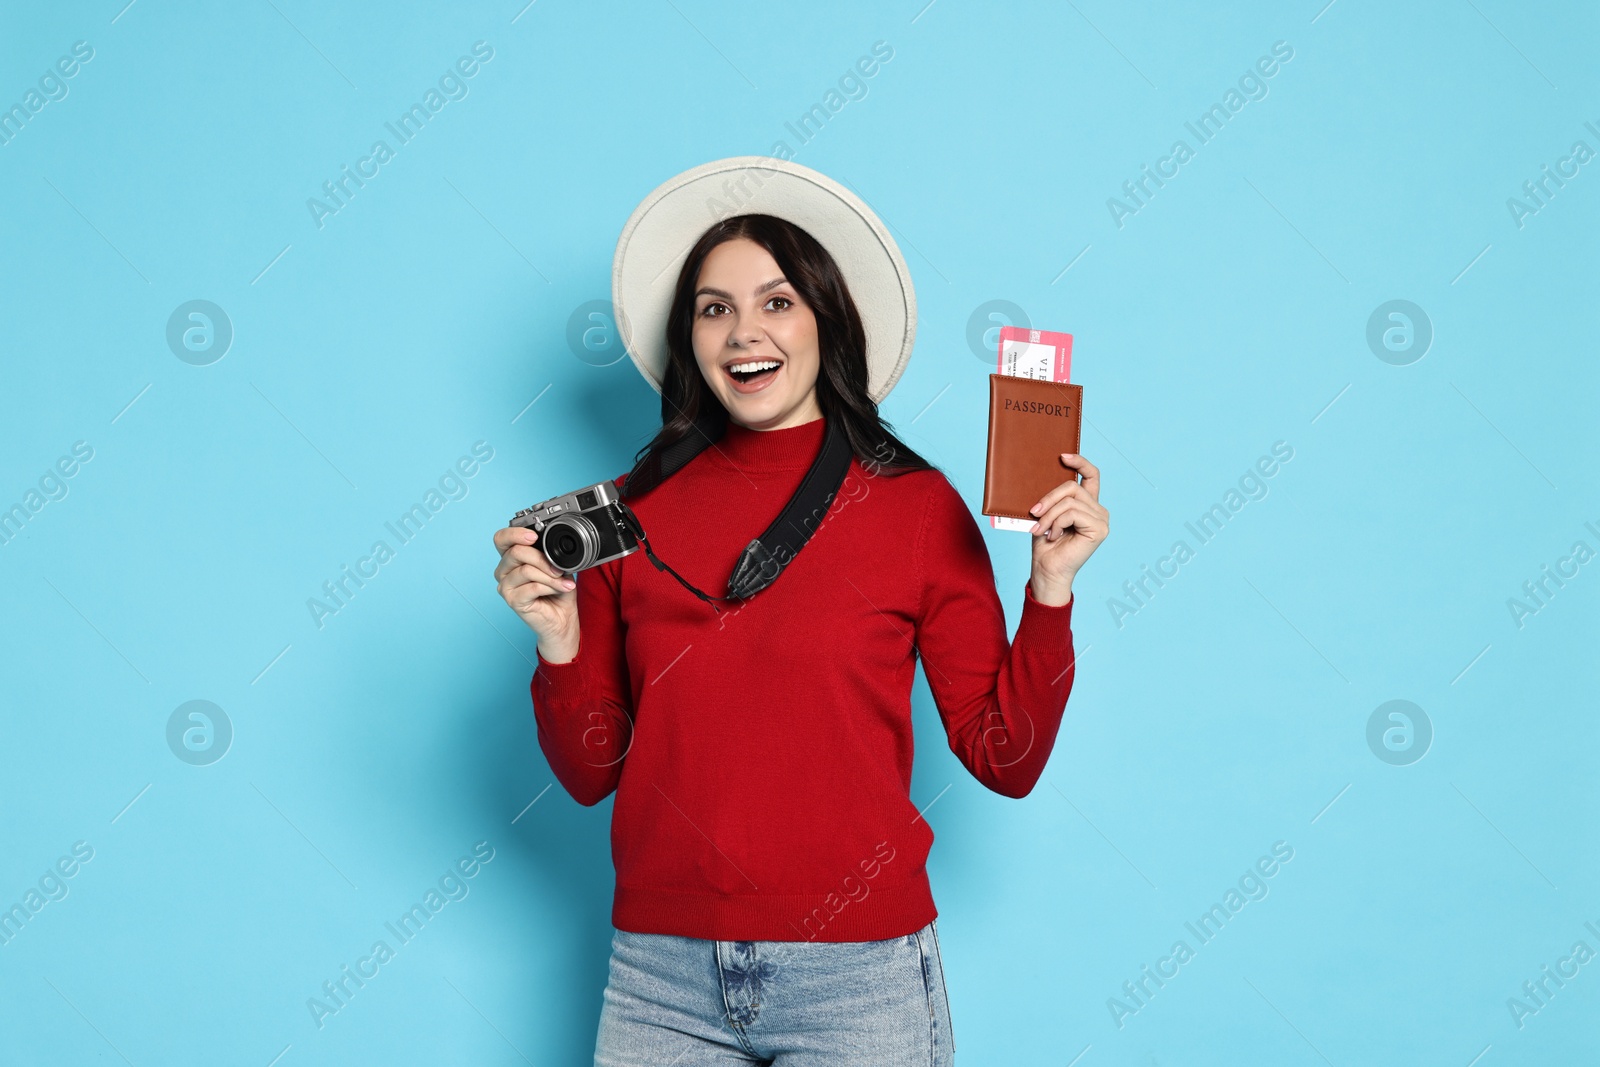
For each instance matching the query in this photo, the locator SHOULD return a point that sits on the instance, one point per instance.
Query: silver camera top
(595, 496)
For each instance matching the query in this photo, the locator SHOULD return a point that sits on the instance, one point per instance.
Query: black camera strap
(764, 558)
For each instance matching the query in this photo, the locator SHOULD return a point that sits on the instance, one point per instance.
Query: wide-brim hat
(667, 223)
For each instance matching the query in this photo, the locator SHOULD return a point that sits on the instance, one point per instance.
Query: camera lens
(570, 542)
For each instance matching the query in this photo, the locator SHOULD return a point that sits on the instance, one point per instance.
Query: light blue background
(1229, 313)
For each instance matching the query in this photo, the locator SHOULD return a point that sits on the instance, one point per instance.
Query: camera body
(582, 529)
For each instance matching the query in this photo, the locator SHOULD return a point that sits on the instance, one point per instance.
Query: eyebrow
(707, 290)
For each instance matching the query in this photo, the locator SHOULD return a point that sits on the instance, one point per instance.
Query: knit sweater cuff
(1046, 625)
(561, 683)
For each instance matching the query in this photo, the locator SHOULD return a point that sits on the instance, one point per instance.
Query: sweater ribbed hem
(830, 915)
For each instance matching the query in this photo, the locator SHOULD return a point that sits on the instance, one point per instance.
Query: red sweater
(762, 759)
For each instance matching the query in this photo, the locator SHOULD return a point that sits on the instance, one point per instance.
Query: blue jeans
(686, 1002)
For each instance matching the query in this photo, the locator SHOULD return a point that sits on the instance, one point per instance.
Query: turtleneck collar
(793, 447)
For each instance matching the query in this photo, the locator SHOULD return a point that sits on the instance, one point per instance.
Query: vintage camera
(582, 529)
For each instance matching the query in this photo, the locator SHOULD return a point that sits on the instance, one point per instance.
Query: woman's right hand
(542, 596)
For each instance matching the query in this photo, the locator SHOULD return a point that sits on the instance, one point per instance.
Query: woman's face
(747, 315)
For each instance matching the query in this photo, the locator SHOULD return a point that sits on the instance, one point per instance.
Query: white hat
(668, 222)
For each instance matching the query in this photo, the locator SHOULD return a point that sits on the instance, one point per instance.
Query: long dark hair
(689, 407)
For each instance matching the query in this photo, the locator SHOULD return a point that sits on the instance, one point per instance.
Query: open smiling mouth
(751, 375)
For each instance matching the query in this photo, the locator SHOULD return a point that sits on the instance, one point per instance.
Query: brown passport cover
(1031, 422)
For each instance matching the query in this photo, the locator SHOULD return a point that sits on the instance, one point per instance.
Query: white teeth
(758, 365)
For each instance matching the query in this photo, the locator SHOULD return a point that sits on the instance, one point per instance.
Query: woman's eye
(706, 311)
(786, 301)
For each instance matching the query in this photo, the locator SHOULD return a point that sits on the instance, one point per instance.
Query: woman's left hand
(1071, 525)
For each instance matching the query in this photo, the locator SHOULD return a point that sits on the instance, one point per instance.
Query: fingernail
(1034, 510)
(570, 584)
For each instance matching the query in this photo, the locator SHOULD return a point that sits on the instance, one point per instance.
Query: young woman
(772, 904)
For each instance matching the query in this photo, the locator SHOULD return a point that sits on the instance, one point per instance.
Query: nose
(744, 334)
